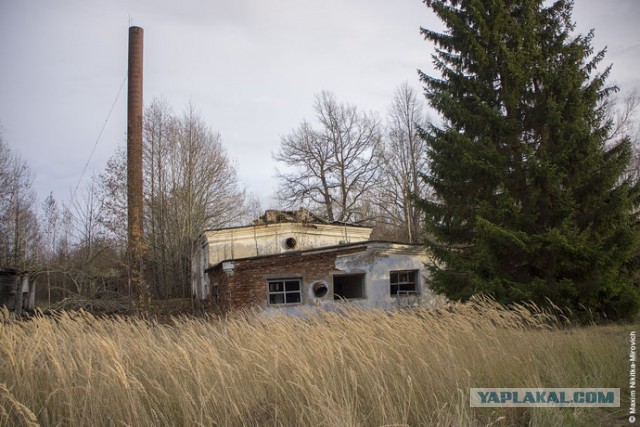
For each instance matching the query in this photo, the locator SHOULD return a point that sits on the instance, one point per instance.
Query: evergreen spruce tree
(530, 200)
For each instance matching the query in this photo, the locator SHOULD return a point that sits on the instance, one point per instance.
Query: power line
(104, 125)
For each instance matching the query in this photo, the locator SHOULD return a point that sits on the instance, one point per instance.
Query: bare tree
(190, 185)
(310, 182)
(92, 257)
(20, 239)
(50, 224)
(159, 128)
(19, 228)
(330, 168)
(208, 179)
(623, 115)
(112, 190)
(404, 158)
(203, 191)
(622, 111)
(64, 242)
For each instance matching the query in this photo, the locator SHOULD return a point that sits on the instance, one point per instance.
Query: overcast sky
(251, 68)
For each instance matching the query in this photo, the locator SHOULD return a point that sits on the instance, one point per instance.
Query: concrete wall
(268, 239)
(26, 286)
(242, 284)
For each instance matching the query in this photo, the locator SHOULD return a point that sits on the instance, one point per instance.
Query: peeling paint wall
(268, 239)
(377, 263)
(243, 283)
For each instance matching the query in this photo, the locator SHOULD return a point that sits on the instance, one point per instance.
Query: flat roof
(333, 248)
(267, 224)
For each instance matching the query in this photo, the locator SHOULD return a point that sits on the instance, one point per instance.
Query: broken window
(350, 286)
(284, 291)
(216, 292)
(404, 282)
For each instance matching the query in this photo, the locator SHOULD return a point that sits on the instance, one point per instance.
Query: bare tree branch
(331, 168)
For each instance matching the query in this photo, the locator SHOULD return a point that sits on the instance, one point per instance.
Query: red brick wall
(246, 287)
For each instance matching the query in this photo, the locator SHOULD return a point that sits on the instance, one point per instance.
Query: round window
(291, 243)
(319, 289)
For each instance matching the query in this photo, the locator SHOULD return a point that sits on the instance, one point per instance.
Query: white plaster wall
(270, 239)
(376, 263)
(199, 263)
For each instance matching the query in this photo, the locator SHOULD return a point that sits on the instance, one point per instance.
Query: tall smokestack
(134, 145)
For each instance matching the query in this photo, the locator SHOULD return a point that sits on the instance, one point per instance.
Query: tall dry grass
(329, 369)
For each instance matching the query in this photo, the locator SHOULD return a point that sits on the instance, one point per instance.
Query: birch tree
(403, 160)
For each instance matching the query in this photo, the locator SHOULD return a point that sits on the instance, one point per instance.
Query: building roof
(301, 215)
(335, 248)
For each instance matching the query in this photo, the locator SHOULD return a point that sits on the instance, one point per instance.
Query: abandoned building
(17, 290)
(293, 259)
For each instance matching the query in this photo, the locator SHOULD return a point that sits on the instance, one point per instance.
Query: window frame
(398, 284)
(362, 276)
(284, 292)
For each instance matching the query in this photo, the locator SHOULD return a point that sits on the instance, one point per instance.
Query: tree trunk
(19, 284)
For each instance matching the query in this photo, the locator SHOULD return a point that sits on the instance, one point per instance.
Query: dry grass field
(357, 368)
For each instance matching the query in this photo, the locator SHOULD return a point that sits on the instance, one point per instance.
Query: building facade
(276, 232)
(301, 265)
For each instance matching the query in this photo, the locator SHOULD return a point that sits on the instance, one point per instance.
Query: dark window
(348, 286)
(403, 282)
(291, 243)
(319, 289)
(284, 291)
